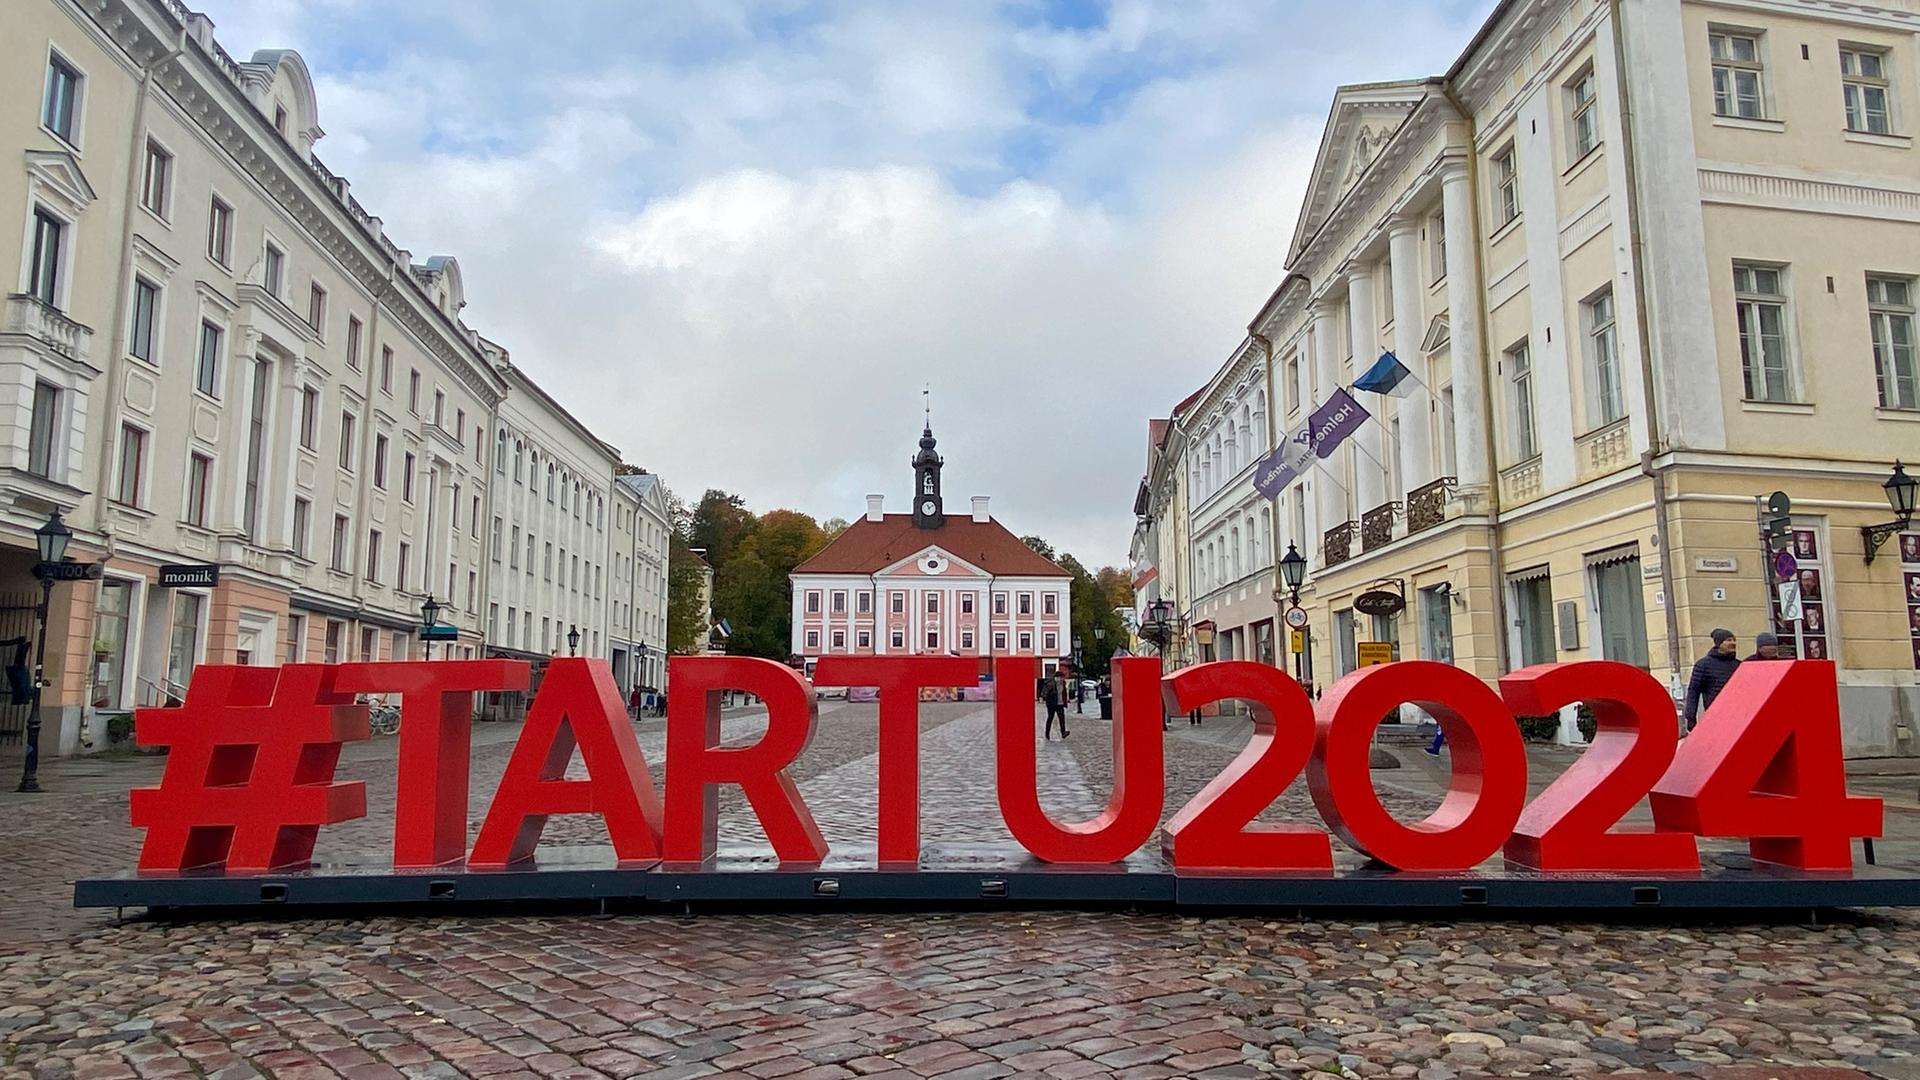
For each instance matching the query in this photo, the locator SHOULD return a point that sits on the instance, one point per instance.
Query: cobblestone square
(975, 994)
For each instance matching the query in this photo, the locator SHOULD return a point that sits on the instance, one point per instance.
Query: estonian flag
(1387, 376)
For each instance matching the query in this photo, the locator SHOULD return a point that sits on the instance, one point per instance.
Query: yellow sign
(1375, 653)
(1299, 641)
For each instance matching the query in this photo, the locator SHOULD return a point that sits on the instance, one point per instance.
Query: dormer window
(280, 120)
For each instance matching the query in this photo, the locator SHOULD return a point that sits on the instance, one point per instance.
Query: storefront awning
(1613, 556)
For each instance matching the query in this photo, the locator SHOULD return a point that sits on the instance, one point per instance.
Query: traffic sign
(1778, 524)
(1298, 640)
(71, 571)
(1375, 653)
(1785, 565)
(1297, 618)
(1790, 600)
(440, 632)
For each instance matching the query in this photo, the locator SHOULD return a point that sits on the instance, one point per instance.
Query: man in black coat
(1711, 674)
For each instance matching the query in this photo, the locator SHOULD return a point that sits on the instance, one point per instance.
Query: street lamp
(1901, 491)
(573, 640)
(1293, 571)
(52, 539)
(429, 618)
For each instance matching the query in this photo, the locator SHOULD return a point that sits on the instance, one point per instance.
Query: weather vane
(926, 402)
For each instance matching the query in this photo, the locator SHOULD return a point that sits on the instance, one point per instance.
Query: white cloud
(738, 238)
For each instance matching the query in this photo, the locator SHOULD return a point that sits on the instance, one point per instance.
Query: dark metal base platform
(956, 876)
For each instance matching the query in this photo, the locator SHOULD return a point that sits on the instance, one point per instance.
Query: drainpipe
(116, 359)
(1494, 554)
(364, 453)
(1649, 388)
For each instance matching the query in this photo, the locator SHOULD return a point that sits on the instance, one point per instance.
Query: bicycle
(383, 719)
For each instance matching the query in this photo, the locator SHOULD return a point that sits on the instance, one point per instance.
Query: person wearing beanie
(1765, 647)
(1711, 674)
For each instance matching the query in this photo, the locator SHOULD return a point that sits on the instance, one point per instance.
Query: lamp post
(51, 539)
(1901, 491)
(573, 640)
(1293, 572)
(429, 618)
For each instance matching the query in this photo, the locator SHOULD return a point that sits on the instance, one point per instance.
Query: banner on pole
(1314, 440)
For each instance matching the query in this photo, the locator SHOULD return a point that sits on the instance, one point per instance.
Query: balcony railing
(27, 315)
(1339, 543)
(1427, 505)
(1376, 526)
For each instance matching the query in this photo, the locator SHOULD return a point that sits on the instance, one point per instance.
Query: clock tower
(927, 511)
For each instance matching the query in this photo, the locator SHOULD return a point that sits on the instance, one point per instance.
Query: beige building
(637, 606)
(214, 360)
(1649, 261)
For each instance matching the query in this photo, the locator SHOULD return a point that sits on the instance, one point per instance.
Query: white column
(1409, 330)
(1330, 493)
(1370, 442)
(1463, 323)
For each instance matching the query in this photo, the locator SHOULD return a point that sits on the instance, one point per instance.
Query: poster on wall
(1811, 637)
(1910, 581)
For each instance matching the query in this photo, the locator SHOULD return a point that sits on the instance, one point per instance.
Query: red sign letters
(250, 779)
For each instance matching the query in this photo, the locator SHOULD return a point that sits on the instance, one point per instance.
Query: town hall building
(928, 584)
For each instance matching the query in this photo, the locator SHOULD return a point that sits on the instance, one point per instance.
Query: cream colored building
(637, 611)
(1160, 550)
(1650, 261)
(213, 357)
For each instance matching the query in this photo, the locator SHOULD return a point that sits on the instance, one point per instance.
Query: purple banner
(1330, 425)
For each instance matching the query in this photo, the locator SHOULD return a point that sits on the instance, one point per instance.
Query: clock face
(927, 507)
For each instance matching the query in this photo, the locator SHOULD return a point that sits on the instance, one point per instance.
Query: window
(1506, 180)
(353, 339)
(1760, 304)
(317, 318)
(999, 603)
(966, 639)
(473, 520)
(339, 557)
(413, 391)
(839, 602)
(966, 603)
(346, 441)
(865, 639)
(439, 408)
(454, 507)
(1738, 71)
(863, 602)
(220, 232)
(309, 417)
(296, 638)
(369, 643)
(259, 403)
(1437, 245)
(140, 338)
(1583, 120)
(61, 112)
(1026, 603)
(999, 642)
(405, 558)
(273, 272)
(898, 639)
(813, 639)
(1863, 75)
(1026, 642)
(199, 473)
(513, 548)
(43, 278)
(133, 457)
(156, 178)
(813, 602)
(406, 478)
(206, 368)
(335, 631)
(899, 603)
(493, 537)
(1526, 439)
(1051, 604)
(933, 640)
(1533, 617)
(933, 603)
(1052, 642)
(1603, 360)
(280, 119)
(840, 639)
(380, 462)
(42, 435)
(373, 555)
(1891, 305)
(302, 515)
(459, 423)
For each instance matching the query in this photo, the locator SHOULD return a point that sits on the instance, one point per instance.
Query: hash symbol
(249, 774)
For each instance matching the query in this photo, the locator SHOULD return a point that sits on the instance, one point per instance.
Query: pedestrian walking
(1711, 674)
(634, 703)
(1079, 695)
(1054, 692)
(1765, 647)
(1439, 741)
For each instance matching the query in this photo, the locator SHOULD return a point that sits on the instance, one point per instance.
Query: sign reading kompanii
(250, 777)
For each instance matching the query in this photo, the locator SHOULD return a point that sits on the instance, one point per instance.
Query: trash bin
(1106, 703)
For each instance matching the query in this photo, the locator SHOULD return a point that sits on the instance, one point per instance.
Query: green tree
(720, 523)
(754, 601)
(686, 616)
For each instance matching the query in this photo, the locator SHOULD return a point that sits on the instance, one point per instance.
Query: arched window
(500, 452)
(1236, 554)
(550, 475)
(518, 447)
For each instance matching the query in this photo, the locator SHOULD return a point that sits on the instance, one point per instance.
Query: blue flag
(1387, 376)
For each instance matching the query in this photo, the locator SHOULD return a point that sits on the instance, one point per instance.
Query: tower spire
(926, 403)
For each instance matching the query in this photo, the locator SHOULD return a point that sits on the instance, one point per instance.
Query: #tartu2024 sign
(249, 781)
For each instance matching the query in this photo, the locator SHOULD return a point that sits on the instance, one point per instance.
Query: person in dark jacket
(1711, 674)
(1054, 692)
(1765, 647)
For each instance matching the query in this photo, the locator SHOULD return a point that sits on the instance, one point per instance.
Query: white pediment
(1362, 121)
(932, 561)
(1438, 335)
(59, 171)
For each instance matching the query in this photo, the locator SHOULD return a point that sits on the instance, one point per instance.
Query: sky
(738, 239)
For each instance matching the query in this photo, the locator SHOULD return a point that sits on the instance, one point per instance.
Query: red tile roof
(867, 547)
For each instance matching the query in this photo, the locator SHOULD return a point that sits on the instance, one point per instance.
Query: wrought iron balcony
(1339, 543)
(1376, 526)
(1427, 505)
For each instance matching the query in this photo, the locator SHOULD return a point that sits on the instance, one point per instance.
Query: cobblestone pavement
(897, 995)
